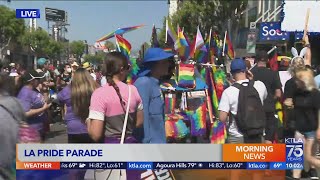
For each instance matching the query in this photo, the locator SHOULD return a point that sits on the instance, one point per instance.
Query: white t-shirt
(229, 102)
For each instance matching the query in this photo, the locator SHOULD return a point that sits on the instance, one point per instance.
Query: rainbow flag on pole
(182, 45)
(229, 47)
(123, 45)
(198, 43)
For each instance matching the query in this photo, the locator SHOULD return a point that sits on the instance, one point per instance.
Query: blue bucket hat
(156, 54)
(153, 55)
(238, 65)
(41, 61)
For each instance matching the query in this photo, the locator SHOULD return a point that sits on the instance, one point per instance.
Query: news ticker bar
(155, 152)
(158, 165)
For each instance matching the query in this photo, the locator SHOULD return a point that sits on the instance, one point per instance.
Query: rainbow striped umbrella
(119, 31)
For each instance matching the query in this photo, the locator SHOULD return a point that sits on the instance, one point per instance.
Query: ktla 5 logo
(295, 150)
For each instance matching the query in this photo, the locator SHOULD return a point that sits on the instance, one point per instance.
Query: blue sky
(90, 20)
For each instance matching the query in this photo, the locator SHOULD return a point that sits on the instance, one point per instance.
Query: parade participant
(156, 64)
(88, 67)
(33, 102)
(74, 67)
(11, 114)
(43, 66)
(290, 91)
(306, 107)
(229, 104)
(115, 110)
(66, 75)
(272, 82)
(76, 97)
(107, 112)
(229, 101)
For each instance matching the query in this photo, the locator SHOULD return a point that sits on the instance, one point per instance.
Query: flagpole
(152, 34)
(224, 43)
(118, 45)
(166, 30)
(195, 43)
(209, 56)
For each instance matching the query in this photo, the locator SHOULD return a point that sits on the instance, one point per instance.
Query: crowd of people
(98, 106)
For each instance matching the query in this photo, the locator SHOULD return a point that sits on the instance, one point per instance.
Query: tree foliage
(54, 49)
(220, 15)
(95, 58)
(77, 49)
(36, 40)
(11, 28)
(41, 44)
(110, 45)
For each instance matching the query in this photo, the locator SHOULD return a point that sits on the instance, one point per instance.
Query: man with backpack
(272, 82)
(243, 103)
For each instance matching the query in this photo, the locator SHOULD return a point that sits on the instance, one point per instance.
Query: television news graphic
(27, 13)
(153, 165)
(294, 153)
(158, 156)
(254, 152)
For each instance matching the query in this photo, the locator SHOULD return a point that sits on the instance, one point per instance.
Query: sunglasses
(33, 77)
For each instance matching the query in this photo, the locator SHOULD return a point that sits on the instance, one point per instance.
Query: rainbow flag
(169, 50)
(229, 48)
(215, 48)
(202, 54)
(198, 119)
(119, 31)
(218, 133)
(182, 45)
(220, 78)
(198, 43)
(133, 75)
(212, 90)
(123, 45)
(186, 76)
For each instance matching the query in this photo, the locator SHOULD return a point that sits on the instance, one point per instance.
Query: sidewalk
(57, 134)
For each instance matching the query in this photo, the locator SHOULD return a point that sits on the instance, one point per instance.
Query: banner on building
(271, 31)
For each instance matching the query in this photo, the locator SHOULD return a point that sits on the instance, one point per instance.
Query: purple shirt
(74, 124)
(32, 99)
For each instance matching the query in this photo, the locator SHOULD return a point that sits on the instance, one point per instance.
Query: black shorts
(271, 126)
(79, 138)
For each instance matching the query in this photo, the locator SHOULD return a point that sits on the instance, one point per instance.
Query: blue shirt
(317, 79)
(153, 110)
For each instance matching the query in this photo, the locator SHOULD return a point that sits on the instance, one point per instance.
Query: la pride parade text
(63, 153)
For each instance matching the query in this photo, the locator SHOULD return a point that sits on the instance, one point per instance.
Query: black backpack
(251, 116)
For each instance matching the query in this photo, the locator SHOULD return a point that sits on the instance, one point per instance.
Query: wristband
(307, 45)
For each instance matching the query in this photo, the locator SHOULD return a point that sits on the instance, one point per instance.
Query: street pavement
(58, 135)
